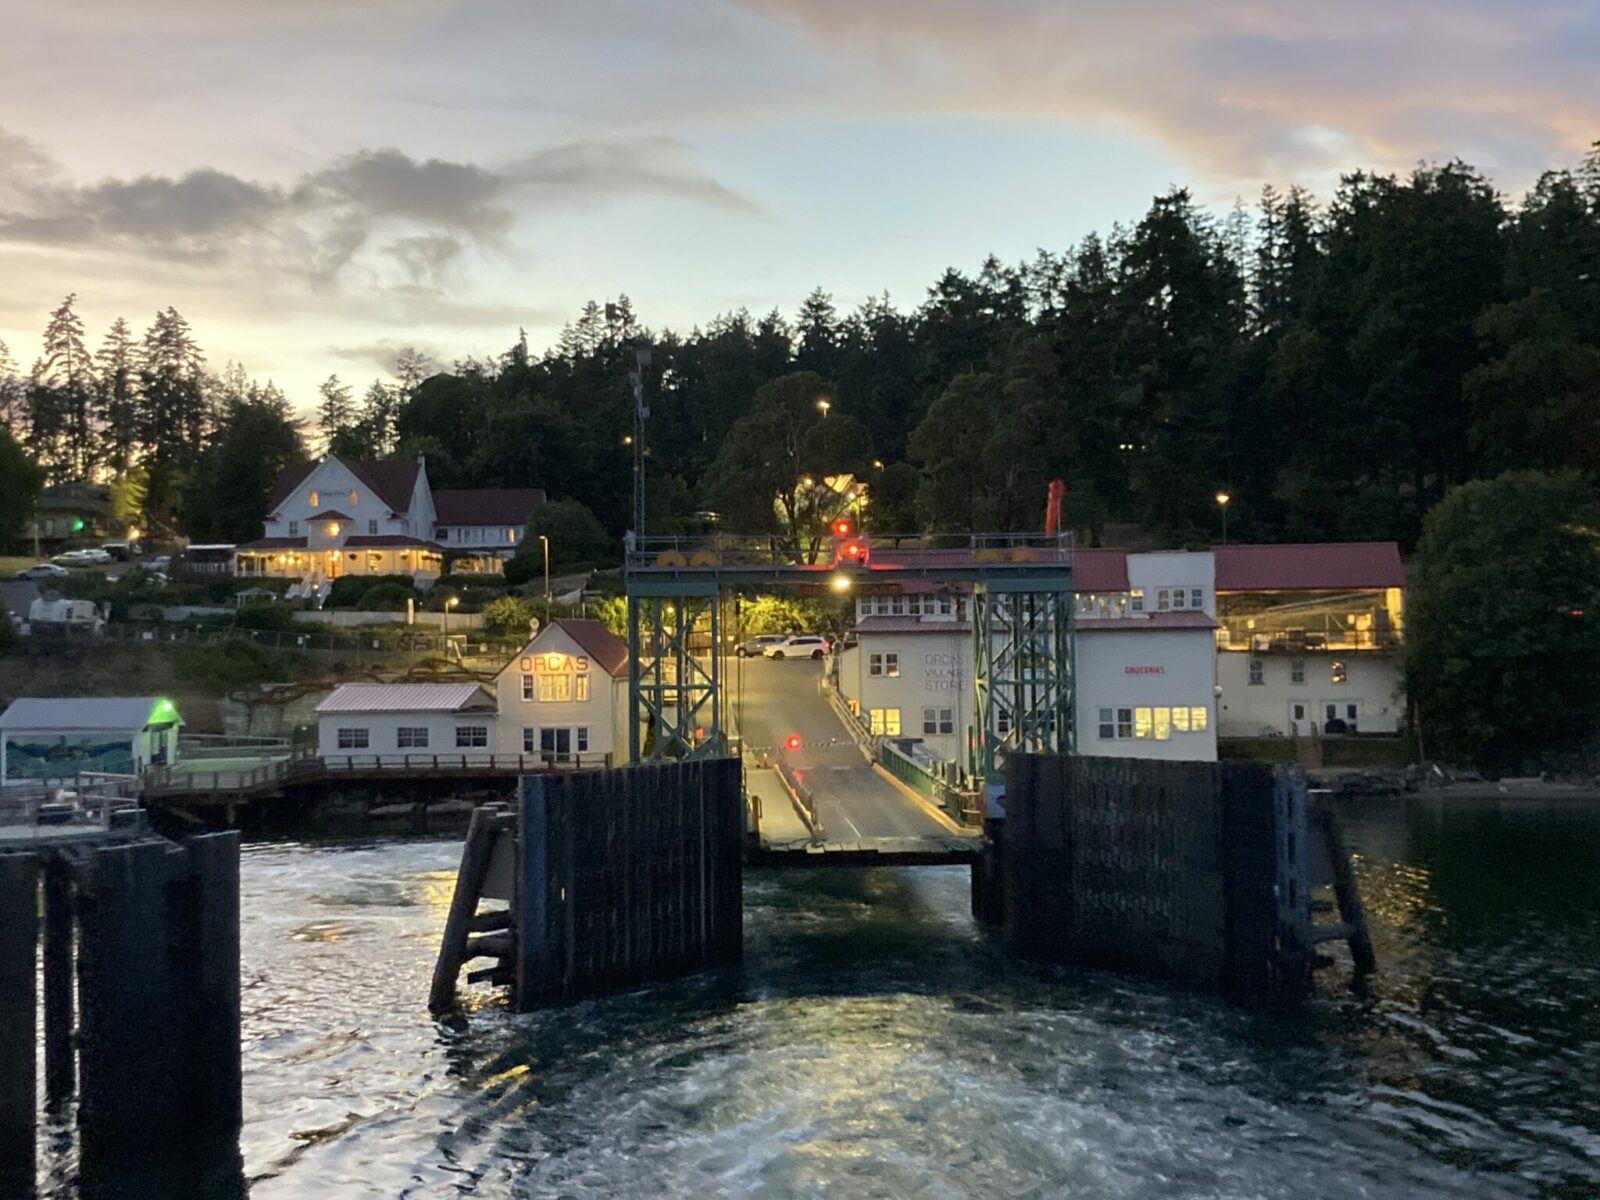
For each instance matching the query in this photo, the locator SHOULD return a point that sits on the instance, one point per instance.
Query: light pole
(823, 405)
(1222, 502)
(546, 541)
(450, 602)
(640, 415)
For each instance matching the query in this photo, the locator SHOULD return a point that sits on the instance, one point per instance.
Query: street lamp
(546, 541)
(450, 602)
(1222, 502)
(823, 405)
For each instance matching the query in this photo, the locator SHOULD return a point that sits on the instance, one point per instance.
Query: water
(876, 1044)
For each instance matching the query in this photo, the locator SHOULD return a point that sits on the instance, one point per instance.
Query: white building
(339, 516)
(564, 697)
(343, 516)
(57, 739)
(1143, 650)
(391, 724)
(491, 521)
(1311, 639)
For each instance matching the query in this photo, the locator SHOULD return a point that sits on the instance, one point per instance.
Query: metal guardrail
(86, 802)
(454, 646)
(798, 791)
(333, 764)
(964, 807)
(658, 551)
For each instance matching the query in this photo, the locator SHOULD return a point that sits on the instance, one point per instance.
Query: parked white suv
(806, 645)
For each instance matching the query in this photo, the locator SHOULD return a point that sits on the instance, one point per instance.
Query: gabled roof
(333, 514)
(407, 697)
(486, 506)
(1315, 566)
(88, 712)
(391, 480)
(609, 652)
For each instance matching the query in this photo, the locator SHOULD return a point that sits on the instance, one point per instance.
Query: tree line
(1334, 367)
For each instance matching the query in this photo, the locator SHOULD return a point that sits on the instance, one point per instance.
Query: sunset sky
(316, 183)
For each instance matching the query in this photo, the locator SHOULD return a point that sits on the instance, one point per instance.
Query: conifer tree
(60, 400)
(117, 398)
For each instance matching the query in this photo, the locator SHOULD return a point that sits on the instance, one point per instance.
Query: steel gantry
(1022, 673)
(674, 672)
(1022, 633)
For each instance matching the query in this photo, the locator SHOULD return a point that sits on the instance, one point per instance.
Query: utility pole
(640, 415)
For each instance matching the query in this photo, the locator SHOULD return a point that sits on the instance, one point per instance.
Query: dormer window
(354, 499)
(315, 499)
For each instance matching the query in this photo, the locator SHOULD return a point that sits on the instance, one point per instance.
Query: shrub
(277, 617)
(386, 597)
(233, 664)
(507, 616)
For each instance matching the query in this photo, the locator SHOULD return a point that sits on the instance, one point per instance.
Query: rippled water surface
(875, 1043)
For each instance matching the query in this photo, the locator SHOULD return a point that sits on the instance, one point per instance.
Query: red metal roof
(609, 651)
(486, 506)
(391, 480)
(1101, 569)
(1145, 624)
(379, 541)
(272, 543)
(1315, 566)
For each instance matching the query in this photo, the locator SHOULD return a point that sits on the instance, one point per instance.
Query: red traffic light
(851, 550)
(843, 527)
(792, 742)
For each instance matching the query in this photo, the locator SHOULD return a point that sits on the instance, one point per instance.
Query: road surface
(854, 801)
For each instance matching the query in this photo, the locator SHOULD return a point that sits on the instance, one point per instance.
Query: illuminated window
(511, 535)
(1163, 724)
(1180, 720)
(1257, 672)
(471, 736)
(1297, 670)
(315, 499)
(885, 722)
(1124, 722)
(580, 687)
(555, 689)
(353, 739)
(1339, 673)
(354, 499)
(1143, 720)
(1108, 722)
(1197, 718)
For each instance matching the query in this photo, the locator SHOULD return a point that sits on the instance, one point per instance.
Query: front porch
(422, 564)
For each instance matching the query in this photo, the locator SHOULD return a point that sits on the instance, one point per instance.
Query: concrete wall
(1374, 683)
(1147, 669)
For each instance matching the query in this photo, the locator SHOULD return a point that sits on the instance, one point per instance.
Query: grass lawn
(11, 565)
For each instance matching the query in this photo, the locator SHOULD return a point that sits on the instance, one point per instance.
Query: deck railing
(964, 807)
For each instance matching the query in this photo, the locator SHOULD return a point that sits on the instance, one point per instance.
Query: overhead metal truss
(1022, 673)
(675, 694)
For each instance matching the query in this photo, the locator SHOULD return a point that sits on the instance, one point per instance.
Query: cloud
(1239, 88)
(378, 216)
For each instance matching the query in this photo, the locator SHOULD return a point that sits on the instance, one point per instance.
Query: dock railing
(964, 807)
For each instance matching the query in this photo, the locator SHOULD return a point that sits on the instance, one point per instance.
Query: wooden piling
(19, 884)
(482, 831)
(129, 1058)
(60, 1074)
(213, 1082)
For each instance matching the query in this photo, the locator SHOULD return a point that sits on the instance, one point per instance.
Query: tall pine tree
(61, 399)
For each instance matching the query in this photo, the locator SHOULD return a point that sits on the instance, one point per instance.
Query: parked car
(82, 558)
(161, 563)
(757, 646)
(805, 645)
(47, 570)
